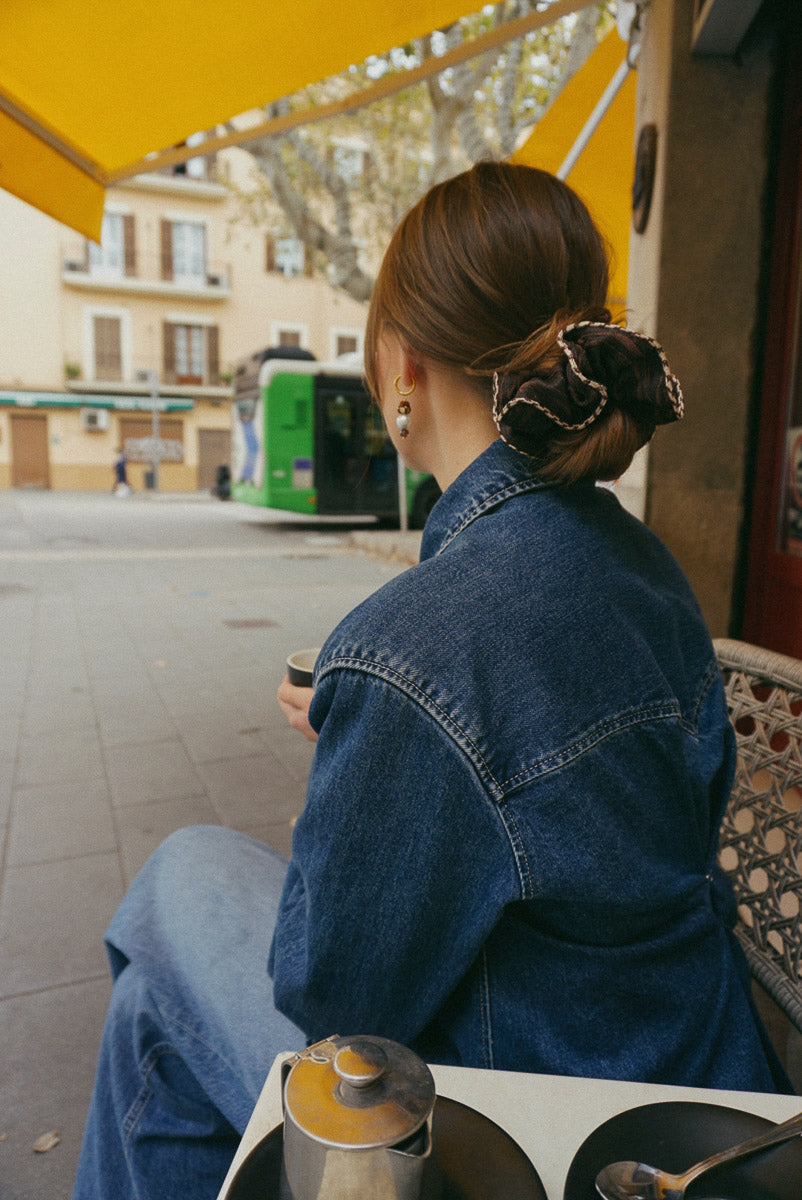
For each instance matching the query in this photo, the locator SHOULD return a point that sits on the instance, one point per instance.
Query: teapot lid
(358, 1092)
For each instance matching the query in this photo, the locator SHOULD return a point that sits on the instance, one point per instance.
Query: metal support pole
(403, 517)
(591, 125)
(151, 378)
(155, 430)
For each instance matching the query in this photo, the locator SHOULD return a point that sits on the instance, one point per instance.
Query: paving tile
(249, 791)
(12, 696)
(60, 756)
(117, 673)
(60, 821)
(196, 695)
(135, 722)
(151, 771)
(70, 708)
(48, 677)
(50, 1042)
(292, 750)
(10, 723)
(142, 827)
(54, 917)
(212, 738)
(6, 780)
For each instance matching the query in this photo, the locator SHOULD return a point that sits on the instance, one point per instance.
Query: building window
(195, 168)
(283, 333)
(115, 256)
(108, 354)
(183, 252)
(287, 256)
(350, 159)
(190, 356)
(345, 341)
(191, 353)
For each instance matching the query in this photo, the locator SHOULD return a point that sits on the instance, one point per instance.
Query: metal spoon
(639, 1181)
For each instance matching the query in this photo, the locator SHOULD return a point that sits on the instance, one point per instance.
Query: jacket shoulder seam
(491, 502)
(707, 682)
(592, 737)
(424, 701)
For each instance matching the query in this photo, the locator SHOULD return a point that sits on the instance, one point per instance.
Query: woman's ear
(413, 365)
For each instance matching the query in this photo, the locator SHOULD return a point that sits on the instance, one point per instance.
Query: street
(143, 640)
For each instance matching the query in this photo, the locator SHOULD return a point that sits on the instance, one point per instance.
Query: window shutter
(108, 348)
(213, 355)
(270, 252)
(168, 338)
(167, 249)
(309, 262)
(129, 244)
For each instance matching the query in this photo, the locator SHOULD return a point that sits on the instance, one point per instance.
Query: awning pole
(387, 85)
(594, 120)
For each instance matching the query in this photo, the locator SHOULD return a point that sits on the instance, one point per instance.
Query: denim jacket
(507, 854)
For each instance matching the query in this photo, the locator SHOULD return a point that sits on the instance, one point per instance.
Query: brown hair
(481, 275)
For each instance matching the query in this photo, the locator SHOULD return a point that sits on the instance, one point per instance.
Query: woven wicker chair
(761, 837)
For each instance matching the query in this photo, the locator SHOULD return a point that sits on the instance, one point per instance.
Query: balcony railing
(212, 385)
(144, 276)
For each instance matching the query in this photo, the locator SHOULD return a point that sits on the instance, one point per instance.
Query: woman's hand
(294, 703)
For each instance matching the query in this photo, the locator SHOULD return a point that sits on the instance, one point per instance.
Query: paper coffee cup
(301, 665)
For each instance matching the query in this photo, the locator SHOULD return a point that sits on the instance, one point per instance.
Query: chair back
(761, 835)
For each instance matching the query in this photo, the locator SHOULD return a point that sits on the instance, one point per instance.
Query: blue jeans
(192, 1030)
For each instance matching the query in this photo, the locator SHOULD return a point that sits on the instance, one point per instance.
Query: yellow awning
(88, 88)
(604, 170)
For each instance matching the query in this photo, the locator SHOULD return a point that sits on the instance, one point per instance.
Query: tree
(343, 185)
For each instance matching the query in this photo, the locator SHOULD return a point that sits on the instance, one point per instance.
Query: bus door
(356, 468)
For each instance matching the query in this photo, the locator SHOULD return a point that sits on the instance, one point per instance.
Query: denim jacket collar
(496, 475)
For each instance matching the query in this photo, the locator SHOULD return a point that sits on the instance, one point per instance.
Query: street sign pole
(151, 378)
(154, 399)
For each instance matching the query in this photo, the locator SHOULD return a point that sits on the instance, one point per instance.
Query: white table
(549, 1116)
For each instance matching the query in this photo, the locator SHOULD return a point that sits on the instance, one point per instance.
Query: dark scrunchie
(600, 365)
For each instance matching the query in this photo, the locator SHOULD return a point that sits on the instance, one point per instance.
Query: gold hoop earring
(401, 391)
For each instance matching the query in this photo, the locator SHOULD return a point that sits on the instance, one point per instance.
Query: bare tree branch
(338, 245)
(474, 111)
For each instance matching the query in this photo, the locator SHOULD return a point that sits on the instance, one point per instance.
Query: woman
(507, 854)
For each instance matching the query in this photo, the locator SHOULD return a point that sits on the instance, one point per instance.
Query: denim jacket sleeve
(401, 866)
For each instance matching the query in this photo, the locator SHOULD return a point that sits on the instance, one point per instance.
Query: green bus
(307, 438)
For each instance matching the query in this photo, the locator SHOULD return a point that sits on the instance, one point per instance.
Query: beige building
(182, 287)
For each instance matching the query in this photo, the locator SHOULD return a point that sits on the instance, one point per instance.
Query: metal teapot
(358, 1123)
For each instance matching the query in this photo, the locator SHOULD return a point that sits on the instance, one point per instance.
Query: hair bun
(600, 365)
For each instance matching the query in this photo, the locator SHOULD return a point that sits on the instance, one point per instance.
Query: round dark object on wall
(643, 184)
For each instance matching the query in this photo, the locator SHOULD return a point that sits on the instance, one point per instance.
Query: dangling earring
(404, 408)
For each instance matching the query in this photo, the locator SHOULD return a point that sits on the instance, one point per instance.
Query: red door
(773, 610)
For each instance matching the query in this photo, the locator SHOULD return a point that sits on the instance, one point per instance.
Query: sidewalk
(143, 642)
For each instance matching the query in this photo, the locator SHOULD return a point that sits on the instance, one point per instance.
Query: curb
(391, 545)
